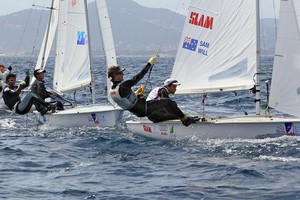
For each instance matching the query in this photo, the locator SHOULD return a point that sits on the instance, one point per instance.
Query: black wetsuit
(11, 97)
(38, 87)
(156, 110)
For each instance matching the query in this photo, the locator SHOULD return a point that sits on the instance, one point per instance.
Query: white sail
(107, 40)
(285, 85)
(72, 66)
(48, 36)
(217, 49)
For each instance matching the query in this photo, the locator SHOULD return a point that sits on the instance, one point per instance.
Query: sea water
(112, 163)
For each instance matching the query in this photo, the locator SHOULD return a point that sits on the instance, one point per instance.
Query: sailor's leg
(26, 103)
(162, 110)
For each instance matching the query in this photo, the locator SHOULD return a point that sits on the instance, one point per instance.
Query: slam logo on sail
(201, 20)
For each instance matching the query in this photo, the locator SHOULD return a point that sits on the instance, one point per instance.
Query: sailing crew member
(124, 96)
(38, 87)
(3, 74)
(11, 96)
(169, 87)
(163, 92)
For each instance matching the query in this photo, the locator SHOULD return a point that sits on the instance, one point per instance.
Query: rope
(241, 104)
(148, 80)
(169, 25)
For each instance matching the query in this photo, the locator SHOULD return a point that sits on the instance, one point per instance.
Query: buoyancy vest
(124, 102)
(153, 95)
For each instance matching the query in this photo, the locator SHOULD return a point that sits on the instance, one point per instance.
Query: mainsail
(72, 65)
(285, 85)
(217, 50)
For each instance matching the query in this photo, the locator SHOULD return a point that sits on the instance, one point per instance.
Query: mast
(90, 50)
(47, 35)
(258, 66)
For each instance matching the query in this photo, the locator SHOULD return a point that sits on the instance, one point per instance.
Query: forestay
(217, 50)
(285, 90)
(72, 65)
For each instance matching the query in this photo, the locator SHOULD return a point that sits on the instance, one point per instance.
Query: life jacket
(153, 95)
(124, 102)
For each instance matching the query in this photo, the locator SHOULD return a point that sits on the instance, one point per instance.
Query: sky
(180, 6)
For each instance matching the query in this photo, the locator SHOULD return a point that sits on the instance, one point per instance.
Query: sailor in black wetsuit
(123, 95)
(11, 96)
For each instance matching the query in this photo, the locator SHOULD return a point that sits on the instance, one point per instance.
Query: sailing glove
(9, 68)
(27, 72)
(152, 60)
(22, 83)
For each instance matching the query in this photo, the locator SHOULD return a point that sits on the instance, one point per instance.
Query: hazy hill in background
(137, 30)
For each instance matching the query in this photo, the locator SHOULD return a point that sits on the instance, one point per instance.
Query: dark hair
(9, 76)
(114, 70)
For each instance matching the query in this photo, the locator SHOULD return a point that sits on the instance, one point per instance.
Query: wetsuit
(168, 108)
(156, 111)
(11, 97)
(38, 87)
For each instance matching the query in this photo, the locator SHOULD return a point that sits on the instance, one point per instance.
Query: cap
(170, 81)
(37, 71)
(114, 70)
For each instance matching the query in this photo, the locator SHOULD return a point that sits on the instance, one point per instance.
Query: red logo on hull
(147, 129)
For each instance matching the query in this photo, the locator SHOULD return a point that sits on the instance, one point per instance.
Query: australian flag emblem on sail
(190, 43)
(81, 38)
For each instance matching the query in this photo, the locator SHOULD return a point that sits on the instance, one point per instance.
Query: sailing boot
(52, 107)
(187, 121)
(43, 111)
(190, 120)
(195, 119)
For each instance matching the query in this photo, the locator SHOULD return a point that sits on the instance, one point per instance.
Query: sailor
(3, 74)
(38, 87)
(11, 96)
(159, 93)
(124, 96)
(169, 87)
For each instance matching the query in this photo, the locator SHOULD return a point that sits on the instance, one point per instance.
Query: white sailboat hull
(227, 128)
(82, 116)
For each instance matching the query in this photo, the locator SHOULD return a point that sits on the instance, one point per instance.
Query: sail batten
(217, 50)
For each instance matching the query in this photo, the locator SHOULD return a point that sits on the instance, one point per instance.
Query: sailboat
(73, 68)
(219, 51)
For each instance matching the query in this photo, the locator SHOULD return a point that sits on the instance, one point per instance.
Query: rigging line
(241, 104)
(162, 41)
(169, 26)
(37, 31)
(26, 25)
